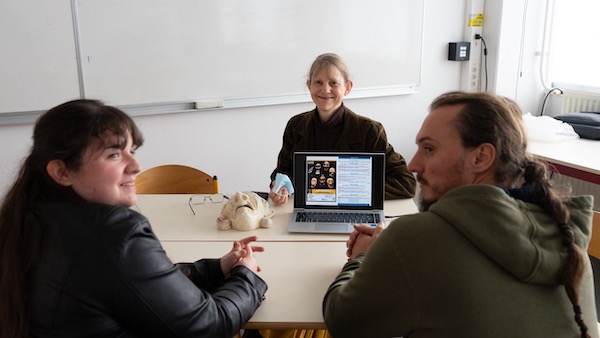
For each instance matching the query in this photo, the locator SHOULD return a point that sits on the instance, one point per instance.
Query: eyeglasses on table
(205, 198)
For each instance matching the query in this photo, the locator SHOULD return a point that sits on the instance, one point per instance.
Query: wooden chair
(594, 252)
(175, 179)
(594, 248)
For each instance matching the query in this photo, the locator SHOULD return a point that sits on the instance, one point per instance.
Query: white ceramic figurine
(245, 211)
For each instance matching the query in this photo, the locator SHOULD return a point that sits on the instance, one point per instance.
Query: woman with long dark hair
(75, 260)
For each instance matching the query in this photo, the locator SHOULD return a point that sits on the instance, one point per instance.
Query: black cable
(485, 67)
(546, 98)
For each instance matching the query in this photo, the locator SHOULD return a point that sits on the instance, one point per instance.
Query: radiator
(579, 187)
(577, 101)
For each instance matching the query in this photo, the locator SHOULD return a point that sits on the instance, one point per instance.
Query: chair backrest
(175, 179)
(594, 248)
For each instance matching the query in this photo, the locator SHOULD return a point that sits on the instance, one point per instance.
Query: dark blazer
(359, 133)
(103, 273)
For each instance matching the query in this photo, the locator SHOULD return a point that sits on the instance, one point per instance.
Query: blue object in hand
(283, 180)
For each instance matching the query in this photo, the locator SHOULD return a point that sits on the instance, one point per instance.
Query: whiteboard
(155, 52)
(144, 51)
(38, 65)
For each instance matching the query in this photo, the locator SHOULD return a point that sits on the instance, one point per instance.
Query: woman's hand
(362, 238)
(242, 253)
(280, 197)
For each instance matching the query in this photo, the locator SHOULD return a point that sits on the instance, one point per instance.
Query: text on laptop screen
(338, 180)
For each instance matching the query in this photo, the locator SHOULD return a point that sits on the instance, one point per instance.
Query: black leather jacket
(103, 273)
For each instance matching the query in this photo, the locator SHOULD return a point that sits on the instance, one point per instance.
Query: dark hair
(488, 118)
(64, 133)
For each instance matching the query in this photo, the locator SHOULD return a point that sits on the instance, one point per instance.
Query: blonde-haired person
(333, 126)
(77, 261)
(496, 251)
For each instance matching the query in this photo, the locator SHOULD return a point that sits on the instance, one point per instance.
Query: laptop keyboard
(336, 217)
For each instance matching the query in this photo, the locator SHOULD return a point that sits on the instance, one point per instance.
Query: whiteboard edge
(29, 117)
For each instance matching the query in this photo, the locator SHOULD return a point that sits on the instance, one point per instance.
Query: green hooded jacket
(479, 263)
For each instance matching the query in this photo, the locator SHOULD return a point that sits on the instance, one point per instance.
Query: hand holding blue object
(283, 180)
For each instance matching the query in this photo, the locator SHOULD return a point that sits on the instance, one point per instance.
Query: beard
(424, 204)
(436, 191)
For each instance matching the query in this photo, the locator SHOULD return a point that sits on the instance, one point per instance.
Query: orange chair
(175, 179)
(594, 248)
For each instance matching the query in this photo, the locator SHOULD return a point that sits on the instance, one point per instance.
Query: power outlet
(470, 77)
(473, 76)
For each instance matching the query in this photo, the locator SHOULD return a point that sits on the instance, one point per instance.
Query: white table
(172, 220)
(578, 158)
(297, 273)
(297, 267)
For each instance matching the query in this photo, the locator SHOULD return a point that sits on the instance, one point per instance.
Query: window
(574, 58)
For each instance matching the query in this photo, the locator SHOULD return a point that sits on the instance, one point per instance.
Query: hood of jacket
(521, 237)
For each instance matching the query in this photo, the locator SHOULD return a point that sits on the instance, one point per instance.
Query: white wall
(241, 145)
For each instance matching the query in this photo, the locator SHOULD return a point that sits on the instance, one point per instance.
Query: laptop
(335, 190)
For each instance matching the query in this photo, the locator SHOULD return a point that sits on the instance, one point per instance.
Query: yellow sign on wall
(475, 20)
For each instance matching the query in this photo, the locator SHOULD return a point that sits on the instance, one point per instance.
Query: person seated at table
(76, 261)
(333, 126)
(497, 251)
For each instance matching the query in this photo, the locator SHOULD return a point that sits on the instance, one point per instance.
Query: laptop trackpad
(331, 228)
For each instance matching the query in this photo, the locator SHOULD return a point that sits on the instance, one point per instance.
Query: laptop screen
(339, 180)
